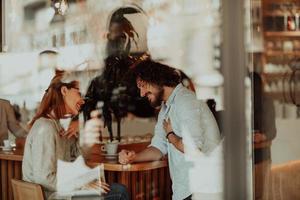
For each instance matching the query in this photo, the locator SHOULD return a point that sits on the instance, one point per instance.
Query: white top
(43, 147)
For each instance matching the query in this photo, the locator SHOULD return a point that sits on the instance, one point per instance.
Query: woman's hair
(53, 99)
(156, 73)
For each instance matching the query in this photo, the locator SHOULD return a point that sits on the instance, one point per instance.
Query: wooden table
(147, 180)
(11, 167)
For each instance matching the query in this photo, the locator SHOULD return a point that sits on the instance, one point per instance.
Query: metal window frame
(1, 24)
(236, 184)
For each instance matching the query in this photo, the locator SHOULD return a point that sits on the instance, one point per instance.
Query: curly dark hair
(156, 73)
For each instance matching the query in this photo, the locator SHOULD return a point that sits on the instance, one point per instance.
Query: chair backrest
(24, 190)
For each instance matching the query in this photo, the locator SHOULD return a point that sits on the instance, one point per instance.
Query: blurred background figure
(211, 103)
(264, 131)
(9, 122)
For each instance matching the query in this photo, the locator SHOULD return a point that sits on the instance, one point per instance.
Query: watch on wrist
(171, 132)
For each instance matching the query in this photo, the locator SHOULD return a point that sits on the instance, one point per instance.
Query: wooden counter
(147, 180)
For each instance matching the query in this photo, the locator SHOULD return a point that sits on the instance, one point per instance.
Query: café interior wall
(287, 132)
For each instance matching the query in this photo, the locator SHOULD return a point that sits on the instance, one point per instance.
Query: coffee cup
(6, 143)
(110, 148)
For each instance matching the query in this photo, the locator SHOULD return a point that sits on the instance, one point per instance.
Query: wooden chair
(24, 190)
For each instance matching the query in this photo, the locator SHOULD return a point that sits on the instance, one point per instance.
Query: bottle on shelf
(291, 24)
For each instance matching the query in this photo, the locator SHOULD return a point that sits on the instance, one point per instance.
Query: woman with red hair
(46, 141)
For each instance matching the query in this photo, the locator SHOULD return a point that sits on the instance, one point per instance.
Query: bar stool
(24, 190)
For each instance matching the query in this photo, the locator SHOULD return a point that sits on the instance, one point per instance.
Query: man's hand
(92, 130)
(126, 157)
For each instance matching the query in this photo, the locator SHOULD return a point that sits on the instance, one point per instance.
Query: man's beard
(158, 98)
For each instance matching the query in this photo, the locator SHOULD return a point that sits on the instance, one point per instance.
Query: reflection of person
(46, 141)
(264, 132)
(119, 95)
(8, 122)
(185, 129)
(121, 34)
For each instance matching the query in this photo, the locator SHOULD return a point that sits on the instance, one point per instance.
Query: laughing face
(153, 93)
(72, 99)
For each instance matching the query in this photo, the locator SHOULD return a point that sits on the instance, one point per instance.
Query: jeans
(117, 192)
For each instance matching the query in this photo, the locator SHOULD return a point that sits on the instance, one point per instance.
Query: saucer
(7, 148)
(110, 156)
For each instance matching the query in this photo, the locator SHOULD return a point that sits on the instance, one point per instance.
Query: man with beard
(186, 131)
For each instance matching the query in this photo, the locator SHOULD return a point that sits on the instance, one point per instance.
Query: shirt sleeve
(197, 123)
(159, 140)
(45, 159)
(13, 124)
(269, 124)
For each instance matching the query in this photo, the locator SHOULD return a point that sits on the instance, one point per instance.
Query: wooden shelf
(274, 75)
(277, 13)
(280, 96)
(278, 57)
(283, 53)
(275, 95)
(282, 33)
(273, 14)
(276, 1)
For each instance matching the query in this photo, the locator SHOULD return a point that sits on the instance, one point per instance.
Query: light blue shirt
(191, 120)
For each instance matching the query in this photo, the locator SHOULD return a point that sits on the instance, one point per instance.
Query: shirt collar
(173, 94)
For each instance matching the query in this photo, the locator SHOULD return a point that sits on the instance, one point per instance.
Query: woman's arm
(44, 157)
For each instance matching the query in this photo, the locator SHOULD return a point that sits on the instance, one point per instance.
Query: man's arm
(13, 124)
(149, 154)
(269, 123)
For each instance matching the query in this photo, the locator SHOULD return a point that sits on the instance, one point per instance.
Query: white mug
(6, 143)
(111, 148)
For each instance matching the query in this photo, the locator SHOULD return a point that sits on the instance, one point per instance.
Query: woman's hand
(167, 125)
(72, 131)
(259, 137)
(98, 186)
